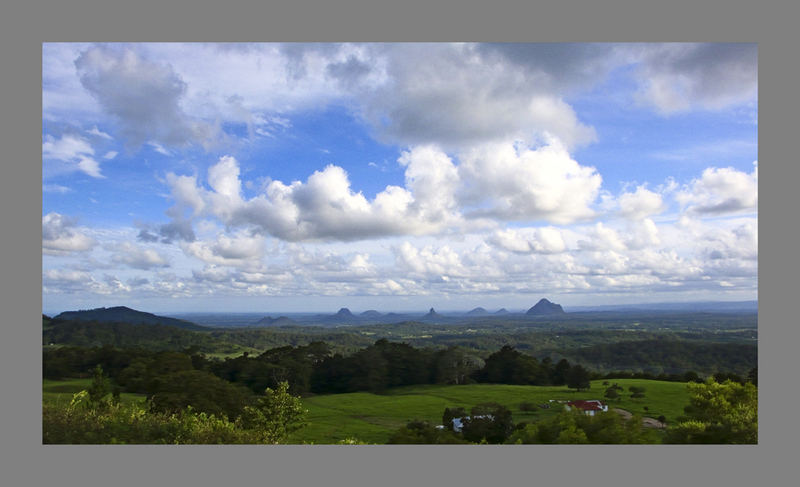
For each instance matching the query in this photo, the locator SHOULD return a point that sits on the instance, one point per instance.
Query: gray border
(24, 461)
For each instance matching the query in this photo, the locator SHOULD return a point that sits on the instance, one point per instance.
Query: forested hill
(123, 314)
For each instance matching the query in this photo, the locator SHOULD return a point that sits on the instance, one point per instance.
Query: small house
(589, 407)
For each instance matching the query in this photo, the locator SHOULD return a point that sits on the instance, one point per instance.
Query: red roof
(591, 405)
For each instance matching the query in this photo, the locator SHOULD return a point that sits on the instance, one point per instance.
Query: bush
(527, 406)
(81, 423)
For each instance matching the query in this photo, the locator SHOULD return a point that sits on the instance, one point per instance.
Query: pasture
(372, 418)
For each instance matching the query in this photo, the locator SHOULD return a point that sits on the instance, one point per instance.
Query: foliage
(578, 378)
(574, 427)
(637, 392)
(668, 355)
(126, 335)
(203, 391)
(718, 413)
(85, 421)
(488, 422)
(99, 387)
(275, 416)
(423, 433)
(80, 422)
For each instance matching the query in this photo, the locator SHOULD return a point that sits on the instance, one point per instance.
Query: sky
(397, 176)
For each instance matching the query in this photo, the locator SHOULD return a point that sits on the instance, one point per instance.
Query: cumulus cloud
(682, 76)
(324, 207)
(515, 182)
(442, 262)
(721, 191)
(60, 236)
(456, 95)
(640, 204)
(545, 240)
(137, 257)
(602, 237)
(178, 229)
(143, 96)
(240, 250)
(499, 181)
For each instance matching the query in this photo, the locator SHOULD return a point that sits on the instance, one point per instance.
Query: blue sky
(306, 177)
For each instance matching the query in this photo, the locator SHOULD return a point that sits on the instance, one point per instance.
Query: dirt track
(646, 422)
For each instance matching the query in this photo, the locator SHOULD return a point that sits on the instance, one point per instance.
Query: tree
(612, 393)
(691, 376)
(636, 392)
(577, 378)
(718, 413)
(99, 386)
(490, 422)
(203, 391)
(560, 372)
(276, 415)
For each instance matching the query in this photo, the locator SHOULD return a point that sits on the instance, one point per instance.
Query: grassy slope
(372, 418)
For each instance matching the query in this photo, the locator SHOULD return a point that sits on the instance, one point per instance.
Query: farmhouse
(458, 423)
(589, 407)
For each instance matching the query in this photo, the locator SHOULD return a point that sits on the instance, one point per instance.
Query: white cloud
(601, 237)
(545, 240)
(721, 191)
(682, 76)
(138, 257)
(60, 237)
(74, 150)
(430, 261)
(99, 133)
(640, 204)
(514, 182)
(458, 96)
(241, 250)
(143, 96)
(55, 188)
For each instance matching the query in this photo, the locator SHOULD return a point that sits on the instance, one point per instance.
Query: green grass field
(372, 418)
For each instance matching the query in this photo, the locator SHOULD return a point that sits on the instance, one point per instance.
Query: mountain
(344, 314)
(545, 307)
(123, 314)
(478, 312)
(501, 311)
(279, 321)
(371, 314)
(432, 315)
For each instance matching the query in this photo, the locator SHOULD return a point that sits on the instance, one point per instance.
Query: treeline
(704, 352)
(127, 335)
(668, 356)
(189, 377)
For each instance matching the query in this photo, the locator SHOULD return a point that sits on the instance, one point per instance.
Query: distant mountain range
(123, 314)
(543, 309)
(344, 317)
